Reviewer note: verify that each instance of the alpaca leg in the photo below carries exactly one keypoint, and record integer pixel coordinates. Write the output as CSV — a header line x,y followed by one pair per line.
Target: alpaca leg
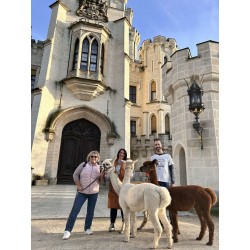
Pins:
x,y
174,217
171,221
153,215
126,213
203,224
133,224
122,228
145,220
167,226
210,224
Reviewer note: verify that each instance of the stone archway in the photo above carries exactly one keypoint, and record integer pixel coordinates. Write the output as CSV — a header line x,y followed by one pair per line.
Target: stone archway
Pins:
x,y
180,165
58,123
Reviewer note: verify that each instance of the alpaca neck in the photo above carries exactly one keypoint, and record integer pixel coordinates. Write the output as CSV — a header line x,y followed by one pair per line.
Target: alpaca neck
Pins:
x,y
116,183
153,177
127,176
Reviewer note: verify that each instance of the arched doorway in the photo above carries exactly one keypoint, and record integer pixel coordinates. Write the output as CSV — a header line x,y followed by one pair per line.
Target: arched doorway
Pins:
x,y
79,137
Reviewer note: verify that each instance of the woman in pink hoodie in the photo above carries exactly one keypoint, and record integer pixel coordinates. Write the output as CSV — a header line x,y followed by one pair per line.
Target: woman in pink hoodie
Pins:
x,y
86,177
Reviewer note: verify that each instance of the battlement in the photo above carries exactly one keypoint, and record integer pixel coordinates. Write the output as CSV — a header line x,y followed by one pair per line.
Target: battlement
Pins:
x,y
159,40
38,45
207,48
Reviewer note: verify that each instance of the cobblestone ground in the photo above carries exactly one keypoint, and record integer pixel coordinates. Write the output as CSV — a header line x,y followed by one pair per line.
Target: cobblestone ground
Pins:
x,y
47,234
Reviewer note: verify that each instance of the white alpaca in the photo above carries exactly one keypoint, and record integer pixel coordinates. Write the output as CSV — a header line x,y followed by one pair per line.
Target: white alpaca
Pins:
x,y
145,196
109,169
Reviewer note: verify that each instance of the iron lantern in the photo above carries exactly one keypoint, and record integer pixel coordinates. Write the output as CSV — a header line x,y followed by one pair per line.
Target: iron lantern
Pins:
x,y
196,106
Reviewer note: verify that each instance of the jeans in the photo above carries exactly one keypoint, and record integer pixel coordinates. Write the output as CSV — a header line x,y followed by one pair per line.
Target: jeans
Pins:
x,y
163,184
78,203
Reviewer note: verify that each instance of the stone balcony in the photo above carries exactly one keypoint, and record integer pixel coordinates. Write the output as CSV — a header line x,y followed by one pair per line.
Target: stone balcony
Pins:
x,y
85,85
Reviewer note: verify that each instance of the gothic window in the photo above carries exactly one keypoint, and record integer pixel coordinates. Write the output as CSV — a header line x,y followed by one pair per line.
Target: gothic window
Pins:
x,y
132,128
85,54
93,56
102,59
167,125
153,124
153,91
132,94
75,59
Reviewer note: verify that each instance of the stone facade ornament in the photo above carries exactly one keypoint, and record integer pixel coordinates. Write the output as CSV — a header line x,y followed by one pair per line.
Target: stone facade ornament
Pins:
x,y
93,9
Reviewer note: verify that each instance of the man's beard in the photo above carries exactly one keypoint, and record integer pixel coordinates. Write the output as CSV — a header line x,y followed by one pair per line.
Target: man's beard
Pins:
x,y
158,149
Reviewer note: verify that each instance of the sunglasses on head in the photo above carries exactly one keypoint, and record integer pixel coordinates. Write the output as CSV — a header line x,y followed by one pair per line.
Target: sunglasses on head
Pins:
x,y
93,156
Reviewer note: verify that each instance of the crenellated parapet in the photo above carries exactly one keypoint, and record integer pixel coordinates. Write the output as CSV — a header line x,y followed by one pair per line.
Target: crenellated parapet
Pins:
x,y
183,67
37,49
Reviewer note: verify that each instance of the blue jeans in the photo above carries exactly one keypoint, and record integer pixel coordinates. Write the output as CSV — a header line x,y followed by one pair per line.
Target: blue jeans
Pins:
x,y
78,203
163,184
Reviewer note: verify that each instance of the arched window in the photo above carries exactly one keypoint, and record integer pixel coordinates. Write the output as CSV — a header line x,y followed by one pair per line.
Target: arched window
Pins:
x,y
153,124
102,60
153,91
167,125
85,54
75,58
93,56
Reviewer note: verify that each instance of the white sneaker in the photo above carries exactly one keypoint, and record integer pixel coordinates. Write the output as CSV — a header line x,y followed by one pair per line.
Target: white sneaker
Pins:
x,y
66,235
88,232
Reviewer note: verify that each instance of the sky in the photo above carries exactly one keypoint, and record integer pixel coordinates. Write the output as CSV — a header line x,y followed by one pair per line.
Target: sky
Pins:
x,y
189,22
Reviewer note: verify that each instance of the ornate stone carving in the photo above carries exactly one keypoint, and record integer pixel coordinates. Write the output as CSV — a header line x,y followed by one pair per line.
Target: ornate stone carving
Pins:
x,y
93,9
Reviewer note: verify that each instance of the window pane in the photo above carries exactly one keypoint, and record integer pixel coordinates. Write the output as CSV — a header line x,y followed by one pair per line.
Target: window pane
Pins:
x,y
84,65
33,79
84,57
92,67
94,48
153,124
153,95
85,45
133,128
93,58
132,94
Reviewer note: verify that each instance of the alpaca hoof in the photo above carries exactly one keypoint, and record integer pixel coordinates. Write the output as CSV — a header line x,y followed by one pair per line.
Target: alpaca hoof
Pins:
x,y
175,240
209,244
179,232
139,228
121,232
198,238
126,239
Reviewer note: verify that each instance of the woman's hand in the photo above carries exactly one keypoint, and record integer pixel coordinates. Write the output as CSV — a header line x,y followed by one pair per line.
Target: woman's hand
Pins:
x,y
79,188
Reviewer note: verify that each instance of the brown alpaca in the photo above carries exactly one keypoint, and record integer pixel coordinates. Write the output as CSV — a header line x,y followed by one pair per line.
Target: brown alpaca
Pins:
x,y
184,198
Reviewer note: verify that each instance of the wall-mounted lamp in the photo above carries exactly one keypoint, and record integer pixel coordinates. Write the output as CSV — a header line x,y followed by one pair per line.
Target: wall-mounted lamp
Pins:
x,y
196,106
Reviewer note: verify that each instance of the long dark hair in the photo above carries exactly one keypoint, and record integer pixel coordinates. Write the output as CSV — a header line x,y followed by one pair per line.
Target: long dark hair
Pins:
x,y
125,154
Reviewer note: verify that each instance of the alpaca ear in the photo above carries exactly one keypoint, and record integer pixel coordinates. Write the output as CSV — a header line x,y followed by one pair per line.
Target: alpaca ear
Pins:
x,y
135,161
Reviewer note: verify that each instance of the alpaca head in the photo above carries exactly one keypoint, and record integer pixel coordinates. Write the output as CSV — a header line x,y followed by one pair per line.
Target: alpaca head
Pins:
x,y
130,165
108,166
148,166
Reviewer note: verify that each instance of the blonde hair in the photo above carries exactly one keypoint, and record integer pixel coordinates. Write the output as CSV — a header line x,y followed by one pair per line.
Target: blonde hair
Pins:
x,y
93,153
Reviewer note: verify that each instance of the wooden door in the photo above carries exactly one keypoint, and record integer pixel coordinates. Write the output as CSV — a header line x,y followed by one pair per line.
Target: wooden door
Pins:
x,y
79,137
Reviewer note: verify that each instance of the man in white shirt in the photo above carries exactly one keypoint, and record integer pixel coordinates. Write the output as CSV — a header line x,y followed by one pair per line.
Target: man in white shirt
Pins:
x,y
165,166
